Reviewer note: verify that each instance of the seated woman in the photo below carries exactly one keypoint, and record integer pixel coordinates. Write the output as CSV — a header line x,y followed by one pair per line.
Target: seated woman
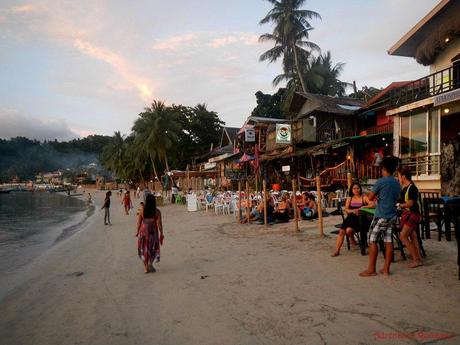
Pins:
x,y
354,202
281,213
254,213
310,210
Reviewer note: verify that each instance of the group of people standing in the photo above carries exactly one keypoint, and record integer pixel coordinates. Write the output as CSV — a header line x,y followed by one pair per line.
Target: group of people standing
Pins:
x,y
149,227
391,197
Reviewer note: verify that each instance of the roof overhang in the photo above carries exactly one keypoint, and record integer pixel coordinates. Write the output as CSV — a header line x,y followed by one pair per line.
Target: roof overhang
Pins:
x,y
408,44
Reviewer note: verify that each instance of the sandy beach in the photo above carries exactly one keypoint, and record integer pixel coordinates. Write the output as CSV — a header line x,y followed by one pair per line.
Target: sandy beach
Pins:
x,y
224,283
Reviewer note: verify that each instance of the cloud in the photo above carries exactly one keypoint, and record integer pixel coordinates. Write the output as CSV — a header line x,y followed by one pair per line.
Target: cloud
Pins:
x,y
174,42
26,8
144,86
240,37
17,124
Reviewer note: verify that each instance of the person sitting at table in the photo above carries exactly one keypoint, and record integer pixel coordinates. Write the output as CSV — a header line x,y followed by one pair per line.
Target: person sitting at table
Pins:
x,y
310,210
354,202
254,213
281,213
410,217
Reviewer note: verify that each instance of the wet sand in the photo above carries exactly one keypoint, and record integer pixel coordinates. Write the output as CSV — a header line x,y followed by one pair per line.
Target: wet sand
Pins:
x,y
224,283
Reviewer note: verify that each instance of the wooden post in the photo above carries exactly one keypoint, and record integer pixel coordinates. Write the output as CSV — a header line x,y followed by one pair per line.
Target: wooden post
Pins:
x,y
248,205
320,208
264,187
239,201
294,204
349,181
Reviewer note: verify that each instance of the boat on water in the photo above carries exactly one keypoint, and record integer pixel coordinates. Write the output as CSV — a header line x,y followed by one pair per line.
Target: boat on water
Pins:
x,y
5,191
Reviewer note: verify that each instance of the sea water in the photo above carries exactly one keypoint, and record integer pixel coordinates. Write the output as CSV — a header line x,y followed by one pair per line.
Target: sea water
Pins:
x,y
30,223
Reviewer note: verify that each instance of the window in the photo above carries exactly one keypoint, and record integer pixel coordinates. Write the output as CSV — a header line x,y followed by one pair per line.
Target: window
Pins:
x,y
418,134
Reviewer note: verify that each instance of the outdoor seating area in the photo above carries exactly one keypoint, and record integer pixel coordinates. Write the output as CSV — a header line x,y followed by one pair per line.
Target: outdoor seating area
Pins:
x,y
438,213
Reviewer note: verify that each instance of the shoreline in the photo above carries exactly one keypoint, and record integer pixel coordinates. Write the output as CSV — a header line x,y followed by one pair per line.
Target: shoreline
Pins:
x,y
59,233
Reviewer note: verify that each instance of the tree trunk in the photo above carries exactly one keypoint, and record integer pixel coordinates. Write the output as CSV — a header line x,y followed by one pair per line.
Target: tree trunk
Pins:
x,y
142,177
154,168
297,66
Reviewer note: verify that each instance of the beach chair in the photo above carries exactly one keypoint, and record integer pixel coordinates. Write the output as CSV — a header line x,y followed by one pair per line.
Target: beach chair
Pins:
x,y
209,202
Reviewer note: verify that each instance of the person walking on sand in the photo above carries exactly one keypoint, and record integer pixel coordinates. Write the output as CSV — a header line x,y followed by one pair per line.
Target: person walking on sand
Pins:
x,y
150,234
127,202
386,189
410,218
106,208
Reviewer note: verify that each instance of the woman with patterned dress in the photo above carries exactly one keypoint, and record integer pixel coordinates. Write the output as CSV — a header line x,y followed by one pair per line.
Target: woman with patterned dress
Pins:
x,y
149,234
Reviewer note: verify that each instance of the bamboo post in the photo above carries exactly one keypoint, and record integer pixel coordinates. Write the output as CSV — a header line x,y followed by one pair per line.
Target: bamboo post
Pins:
x,y
239,200
320,208
248,205
294,204
264,187
349,180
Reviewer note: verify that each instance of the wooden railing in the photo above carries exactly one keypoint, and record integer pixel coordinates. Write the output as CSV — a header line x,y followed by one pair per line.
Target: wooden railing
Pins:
x,y
366,171
434,84
328,134
380,129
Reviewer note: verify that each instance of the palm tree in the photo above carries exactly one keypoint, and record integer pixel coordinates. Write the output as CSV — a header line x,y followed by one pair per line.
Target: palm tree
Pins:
x,y
291,34
156,131
112,154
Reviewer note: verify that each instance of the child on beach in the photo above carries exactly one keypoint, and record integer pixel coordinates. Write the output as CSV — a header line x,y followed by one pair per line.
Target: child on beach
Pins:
x,y
127,202
410,218
106,208
386,190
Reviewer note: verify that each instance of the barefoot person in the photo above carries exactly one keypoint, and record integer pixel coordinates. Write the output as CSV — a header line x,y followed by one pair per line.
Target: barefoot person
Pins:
x,y
127,202
149,233
106,208
410,217
354,202
386,190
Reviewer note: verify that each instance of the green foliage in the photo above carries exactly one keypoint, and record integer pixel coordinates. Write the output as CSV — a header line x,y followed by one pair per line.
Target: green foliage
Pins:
x,y
25,158
162,137
290,35
270,105
366,93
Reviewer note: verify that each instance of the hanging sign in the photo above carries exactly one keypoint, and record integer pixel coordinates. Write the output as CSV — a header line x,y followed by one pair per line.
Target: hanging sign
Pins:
x,y
250,135
283,134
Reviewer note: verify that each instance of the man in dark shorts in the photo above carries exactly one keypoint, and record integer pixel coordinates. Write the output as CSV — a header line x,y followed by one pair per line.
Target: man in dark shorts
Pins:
x,y
386,190
410,218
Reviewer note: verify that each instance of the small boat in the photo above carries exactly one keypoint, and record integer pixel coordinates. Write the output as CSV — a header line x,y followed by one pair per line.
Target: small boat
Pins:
x,y
5,191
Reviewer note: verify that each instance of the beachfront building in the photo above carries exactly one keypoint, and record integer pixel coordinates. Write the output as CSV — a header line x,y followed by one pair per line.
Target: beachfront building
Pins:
x,y
426,112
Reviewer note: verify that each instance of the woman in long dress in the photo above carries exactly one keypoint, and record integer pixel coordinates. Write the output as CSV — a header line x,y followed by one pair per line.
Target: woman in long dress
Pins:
x,y
149,233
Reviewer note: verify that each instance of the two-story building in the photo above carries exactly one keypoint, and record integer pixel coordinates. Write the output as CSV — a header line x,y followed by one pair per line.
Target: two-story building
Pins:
x,y
426,112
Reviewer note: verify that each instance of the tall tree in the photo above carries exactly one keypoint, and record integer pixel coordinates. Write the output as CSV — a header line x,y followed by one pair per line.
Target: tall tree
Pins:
x,y
290,35
112,154
157,130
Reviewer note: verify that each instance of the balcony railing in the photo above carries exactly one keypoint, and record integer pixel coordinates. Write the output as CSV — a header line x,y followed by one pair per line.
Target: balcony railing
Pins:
x,y
380,129
423,165
434,84
328,134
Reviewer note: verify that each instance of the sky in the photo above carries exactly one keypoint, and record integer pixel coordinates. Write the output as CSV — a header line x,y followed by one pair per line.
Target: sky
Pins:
x,y
69,69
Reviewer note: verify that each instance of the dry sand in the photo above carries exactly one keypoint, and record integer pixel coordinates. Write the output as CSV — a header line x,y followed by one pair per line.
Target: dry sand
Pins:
x,y
224,283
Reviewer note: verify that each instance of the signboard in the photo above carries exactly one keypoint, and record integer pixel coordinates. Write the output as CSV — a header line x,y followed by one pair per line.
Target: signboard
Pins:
x,y
250,135
283,133
235,175
192,202
447,97
286,168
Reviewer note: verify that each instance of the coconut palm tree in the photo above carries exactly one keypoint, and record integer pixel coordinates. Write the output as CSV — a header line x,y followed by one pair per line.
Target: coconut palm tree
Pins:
x,y
290,35
112,154
156,131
